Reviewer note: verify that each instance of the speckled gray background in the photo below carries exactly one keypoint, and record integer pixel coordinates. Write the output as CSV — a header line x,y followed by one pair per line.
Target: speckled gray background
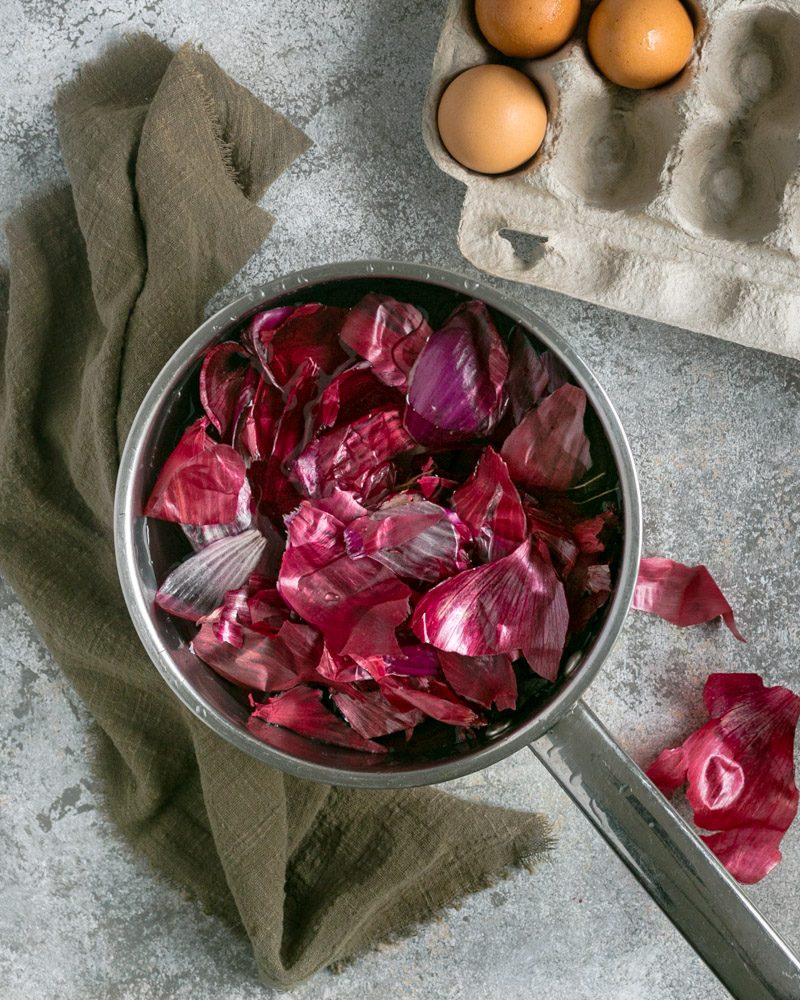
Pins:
x,y
714,429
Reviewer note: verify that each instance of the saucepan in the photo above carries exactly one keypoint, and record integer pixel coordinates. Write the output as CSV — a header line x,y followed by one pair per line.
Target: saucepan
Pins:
x,y
661,850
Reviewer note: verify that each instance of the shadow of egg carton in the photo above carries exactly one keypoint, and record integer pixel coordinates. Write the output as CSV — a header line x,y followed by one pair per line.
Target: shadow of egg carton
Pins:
x,y
680,204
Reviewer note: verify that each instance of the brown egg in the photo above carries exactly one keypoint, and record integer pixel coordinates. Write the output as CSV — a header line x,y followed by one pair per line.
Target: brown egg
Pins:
x,y
640,43
527,29
492,118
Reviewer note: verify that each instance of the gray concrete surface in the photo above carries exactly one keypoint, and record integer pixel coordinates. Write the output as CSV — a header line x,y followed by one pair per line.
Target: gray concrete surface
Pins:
x,y
714,429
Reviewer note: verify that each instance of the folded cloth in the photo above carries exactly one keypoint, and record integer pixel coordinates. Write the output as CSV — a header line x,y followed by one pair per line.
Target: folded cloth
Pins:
x,y
167,157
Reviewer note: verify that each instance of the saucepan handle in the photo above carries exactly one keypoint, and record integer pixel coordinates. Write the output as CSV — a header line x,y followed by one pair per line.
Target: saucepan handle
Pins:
x,y
680,873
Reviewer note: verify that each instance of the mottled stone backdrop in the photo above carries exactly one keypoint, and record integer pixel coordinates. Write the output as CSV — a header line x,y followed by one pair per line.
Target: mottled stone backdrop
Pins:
x,y
714,429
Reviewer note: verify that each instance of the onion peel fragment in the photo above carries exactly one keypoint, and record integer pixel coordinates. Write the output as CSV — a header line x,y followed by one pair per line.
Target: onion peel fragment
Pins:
x,y
681,595
739,767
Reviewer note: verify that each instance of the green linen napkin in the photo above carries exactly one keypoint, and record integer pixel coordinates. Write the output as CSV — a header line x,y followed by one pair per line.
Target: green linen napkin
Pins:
x,y
167,157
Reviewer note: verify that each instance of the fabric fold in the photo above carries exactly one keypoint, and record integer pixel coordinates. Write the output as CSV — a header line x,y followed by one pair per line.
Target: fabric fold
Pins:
x,y
167,158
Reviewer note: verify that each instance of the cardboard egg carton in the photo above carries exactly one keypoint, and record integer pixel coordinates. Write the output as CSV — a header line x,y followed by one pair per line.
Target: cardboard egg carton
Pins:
x,y
680,204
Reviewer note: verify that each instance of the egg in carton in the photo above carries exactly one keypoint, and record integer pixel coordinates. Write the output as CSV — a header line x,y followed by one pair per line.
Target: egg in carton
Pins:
x,y
679,204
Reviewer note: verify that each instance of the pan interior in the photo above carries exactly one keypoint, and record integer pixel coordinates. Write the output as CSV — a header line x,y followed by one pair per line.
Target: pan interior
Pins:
x,y
159,546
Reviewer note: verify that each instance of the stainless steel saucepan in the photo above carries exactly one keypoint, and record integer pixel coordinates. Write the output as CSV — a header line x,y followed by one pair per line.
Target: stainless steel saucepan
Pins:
x,y
664,854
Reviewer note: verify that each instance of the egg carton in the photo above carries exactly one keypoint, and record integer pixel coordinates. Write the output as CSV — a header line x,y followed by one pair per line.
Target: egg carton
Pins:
x,y
680,204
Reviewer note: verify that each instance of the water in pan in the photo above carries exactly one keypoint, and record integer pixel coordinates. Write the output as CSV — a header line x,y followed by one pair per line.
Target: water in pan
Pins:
x,y
681,203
